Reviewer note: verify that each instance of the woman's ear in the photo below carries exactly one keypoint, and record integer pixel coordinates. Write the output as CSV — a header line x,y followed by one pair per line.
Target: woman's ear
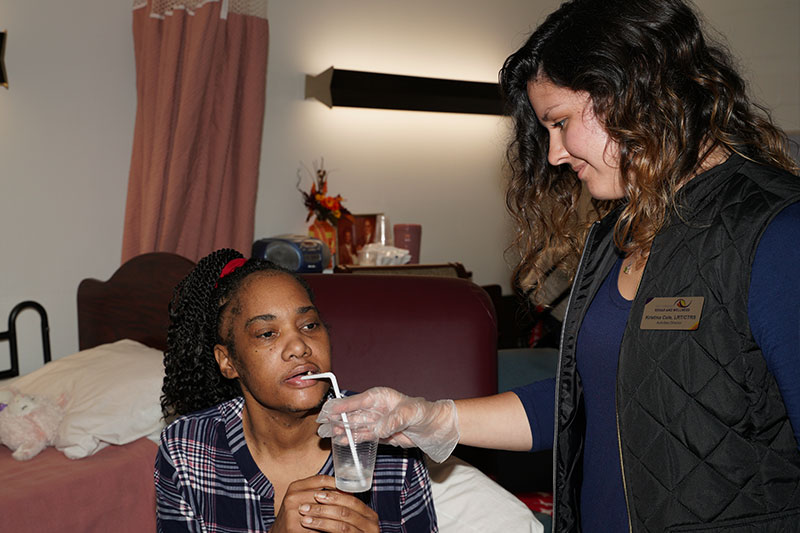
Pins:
x,y
225,362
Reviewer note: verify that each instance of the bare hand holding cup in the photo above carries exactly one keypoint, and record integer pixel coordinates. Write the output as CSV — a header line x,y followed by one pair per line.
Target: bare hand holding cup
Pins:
x,y
313,504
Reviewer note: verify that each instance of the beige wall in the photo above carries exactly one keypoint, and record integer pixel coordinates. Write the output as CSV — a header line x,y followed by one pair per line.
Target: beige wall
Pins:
x,y
765,37
66,127
441,170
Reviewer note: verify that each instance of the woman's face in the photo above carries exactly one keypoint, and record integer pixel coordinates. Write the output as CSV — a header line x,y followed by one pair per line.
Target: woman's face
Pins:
x,y
278,337
577,138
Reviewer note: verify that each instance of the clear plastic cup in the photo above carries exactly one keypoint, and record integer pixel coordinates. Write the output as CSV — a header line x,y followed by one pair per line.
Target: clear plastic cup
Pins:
x,y
383,230
354,460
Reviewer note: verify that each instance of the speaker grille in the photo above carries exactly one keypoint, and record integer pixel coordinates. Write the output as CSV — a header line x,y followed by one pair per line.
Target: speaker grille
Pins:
x,y
283,254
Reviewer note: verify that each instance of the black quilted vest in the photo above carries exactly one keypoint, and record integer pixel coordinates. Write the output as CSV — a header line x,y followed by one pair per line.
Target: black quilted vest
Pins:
x,y
706,444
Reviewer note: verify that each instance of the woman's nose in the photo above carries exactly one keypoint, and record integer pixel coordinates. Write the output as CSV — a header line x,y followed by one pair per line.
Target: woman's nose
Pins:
x,y
556,153
296,347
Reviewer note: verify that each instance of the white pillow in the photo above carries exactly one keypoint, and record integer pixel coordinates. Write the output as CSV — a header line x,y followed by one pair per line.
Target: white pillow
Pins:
x,y
114,395
467,500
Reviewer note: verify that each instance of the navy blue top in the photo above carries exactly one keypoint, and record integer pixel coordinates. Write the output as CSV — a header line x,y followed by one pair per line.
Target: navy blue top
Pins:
x,y
599,340
774,314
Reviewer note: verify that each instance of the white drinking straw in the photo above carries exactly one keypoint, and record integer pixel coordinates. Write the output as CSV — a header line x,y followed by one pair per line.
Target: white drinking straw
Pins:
x,y
338,393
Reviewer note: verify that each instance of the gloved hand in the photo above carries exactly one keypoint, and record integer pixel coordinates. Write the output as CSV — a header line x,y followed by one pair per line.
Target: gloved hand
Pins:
x,y
406,422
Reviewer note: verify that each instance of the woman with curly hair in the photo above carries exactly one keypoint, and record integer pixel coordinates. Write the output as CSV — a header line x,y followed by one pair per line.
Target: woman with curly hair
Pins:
x,y
676,405
243,454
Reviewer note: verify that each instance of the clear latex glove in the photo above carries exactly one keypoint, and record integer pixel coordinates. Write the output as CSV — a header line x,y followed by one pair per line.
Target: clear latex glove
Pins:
x,y
406,422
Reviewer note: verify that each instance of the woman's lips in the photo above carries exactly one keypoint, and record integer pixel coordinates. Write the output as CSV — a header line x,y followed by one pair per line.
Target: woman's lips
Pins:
x,y
294,376
298,383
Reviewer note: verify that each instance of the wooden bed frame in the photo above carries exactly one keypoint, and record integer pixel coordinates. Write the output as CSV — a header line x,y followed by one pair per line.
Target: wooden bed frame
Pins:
x,y
113,489
133,303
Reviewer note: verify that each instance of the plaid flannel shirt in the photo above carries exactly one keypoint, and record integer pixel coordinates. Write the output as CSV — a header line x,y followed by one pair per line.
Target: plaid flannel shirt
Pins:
x,y
207,481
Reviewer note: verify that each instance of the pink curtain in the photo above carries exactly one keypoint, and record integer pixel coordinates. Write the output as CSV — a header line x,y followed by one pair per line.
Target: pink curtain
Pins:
x,y
201,86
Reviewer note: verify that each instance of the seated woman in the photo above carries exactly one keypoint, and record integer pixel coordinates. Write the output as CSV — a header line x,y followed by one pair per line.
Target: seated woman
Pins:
x,y
244,454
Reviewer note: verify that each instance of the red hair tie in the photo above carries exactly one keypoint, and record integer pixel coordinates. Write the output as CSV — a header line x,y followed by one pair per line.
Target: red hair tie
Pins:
x,y
230,267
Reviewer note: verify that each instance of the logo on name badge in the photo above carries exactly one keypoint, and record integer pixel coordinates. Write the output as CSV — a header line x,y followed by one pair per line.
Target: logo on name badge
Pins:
x,y
676,313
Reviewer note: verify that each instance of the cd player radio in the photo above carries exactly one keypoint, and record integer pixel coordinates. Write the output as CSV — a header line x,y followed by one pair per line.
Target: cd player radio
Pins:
x,y
297,253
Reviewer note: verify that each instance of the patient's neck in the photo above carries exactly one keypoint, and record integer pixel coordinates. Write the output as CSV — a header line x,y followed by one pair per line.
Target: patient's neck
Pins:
x,y
281,435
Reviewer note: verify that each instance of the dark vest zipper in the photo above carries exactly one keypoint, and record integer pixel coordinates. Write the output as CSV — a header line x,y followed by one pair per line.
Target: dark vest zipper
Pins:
x,y
616,415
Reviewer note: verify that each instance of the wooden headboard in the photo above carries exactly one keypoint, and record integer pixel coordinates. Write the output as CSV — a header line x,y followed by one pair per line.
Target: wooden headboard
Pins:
x,y
133,303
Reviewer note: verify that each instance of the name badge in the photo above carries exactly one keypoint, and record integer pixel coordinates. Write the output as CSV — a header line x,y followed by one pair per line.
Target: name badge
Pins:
x,y
676,313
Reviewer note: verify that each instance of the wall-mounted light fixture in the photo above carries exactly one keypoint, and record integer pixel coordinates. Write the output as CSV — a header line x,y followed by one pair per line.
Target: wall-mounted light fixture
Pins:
x,y
3,76
350,88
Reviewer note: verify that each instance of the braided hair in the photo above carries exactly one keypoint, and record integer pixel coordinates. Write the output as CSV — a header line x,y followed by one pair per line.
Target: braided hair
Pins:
x,y
192,379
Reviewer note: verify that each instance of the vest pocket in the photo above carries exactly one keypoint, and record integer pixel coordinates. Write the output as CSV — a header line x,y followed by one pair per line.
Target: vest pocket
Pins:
x,y
782,522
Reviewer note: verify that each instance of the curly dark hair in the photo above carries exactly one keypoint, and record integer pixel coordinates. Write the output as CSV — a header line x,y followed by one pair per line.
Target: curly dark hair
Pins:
x,y
192,378
665,94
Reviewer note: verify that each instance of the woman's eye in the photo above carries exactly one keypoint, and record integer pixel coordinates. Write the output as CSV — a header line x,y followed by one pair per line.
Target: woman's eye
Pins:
x,y
267,334
559,124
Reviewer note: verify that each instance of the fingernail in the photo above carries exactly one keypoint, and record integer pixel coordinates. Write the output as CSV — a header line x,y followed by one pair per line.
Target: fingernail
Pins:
x,y
321,496
305,508
307,520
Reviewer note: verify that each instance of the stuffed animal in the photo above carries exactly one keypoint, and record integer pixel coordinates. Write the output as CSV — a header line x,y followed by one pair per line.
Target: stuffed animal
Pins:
x,y
28,424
